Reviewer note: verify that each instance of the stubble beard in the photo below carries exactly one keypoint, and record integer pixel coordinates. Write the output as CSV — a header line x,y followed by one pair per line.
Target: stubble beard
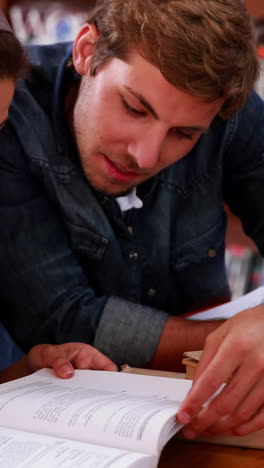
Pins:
x,y
107,188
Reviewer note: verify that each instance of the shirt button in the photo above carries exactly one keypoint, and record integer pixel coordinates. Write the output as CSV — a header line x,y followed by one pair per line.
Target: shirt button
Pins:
x,y
211,253
104,200
151,292
133,255
130,230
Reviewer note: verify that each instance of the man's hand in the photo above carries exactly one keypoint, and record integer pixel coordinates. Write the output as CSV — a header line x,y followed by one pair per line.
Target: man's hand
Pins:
x,y
62,358
233,354
67,357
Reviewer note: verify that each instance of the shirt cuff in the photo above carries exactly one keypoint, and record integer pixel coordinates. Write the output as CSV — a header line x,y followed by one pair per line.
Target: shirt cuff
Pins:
x,y
129,333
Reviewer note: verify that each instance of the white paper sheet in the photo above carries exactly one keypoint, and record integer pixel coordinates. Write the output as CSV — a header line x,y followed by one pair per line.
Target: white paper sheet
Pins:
x,y
228,310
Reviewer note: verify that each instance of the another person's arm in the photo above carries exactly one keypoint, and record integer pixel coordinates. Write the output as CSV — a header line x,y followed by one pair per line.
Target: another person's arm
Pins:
x,y
233,354
62,358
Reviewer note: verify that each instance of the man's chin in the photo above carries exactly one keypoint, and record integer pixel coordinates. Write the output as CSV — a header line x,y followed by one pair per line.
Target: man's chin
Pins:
x,y
111,191
114,193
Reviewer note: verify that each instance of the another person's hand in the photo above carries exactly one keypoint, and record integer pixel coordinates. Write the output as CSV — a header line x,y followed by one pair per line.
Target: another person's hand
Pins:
x,y
233,354
66,357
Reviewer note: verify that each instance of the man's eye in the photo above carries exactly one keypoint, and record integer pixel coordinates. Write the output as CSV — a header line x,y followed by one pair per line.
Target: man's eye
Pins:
x,y
132,110
180,133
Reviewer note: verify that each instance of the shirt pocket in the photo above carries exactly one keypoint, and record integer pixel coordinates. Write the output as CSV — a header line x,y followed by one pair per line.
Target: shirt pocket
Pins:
x,y
86,243
198,266
203,248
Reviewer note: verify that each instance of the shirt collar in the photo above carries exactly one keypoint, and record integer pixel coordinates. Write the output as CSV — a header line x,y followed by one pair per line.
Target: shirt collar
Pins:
x,y
129,201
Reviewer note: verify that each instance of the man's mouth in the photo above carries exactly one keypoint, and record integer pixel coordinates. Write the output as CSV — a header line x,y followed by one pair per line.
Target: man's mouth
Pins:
x,y
122,169
119,172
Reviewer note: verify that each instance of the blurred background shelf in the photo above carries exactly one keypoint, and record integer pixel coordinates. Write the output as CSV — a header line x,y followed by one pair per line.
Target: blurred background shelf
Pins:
x,y
255,7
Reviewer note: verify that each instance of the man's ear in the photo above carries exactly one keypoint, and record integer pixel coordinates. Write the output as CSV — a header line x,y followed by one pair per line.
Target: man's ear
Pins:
x,y
83,48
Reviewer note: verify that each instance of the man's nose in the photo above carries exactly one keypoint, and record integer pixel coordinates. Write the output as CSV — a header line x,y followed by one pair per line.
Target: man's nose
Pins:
x,y
146,149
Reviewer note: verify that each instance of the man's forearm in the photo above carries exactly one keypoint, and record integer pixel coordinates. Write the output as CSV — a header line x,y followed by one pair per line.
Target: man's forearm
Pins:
x,y
17,370
180,335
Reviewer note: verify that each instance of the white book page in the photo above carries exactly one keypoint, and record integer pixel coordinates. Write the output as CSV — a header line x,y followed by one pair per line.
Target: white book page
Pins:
x,y
228,310
127,411
26,450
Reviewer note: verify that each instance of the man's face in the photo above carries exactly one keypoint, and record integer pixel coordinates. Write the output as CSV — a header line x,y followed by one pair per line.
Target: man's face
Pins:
x,y
130,123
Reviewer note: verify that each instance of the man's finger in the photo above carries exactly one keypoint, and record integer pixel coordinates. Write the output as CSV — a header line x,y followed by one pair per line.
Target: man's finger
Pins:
x,y
56,357
255,424
62,367
64,358
238,401
91,358
208,383
210,350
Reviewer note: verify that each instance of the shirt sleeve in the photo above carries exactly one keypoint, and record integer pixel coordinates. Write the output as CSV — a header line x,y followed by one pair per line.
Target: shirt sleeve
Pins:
x,y
129,333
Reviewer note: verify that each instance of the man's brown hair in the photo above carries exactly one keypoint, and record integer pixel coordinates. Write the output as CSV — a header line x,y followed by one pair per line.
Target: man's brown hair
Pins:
x,y
13,60
203,47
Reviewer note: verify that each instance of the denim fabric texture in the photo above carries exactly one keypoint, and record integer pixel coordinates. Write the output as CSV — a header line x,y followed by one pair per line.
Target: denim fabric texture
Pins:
x,y
9,350
75,268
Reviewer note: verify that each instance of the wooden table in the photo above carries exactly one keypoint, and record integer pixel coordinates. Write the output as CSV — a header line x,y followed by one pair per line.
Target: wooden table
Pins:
x,y
181,454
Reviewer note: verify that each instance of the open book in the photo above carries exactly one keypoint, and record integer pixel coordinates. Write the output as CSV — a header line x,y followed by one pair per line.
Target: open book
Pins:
x,y
94,420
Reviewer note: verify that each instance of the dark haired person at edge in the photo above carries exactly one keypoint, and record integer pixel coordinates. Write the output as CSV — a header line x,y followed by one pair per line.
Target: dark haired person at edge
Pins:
x,y
63,358
118,155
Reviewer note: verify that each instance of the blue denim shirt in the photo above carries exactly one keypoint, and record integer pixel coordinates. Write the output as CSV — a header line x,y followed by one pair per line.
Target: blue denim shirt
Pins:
x,y
9,351
74,268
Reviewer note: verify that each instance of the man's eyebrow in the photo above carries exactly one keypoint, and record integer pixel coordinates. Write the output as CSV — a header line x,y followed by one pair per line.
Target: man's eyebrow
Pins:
x,y
147,105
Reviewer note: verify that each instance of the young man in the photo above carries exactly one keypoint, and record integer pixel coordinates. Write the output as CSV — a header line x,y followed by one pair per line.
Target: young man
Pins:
x,y
115,163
